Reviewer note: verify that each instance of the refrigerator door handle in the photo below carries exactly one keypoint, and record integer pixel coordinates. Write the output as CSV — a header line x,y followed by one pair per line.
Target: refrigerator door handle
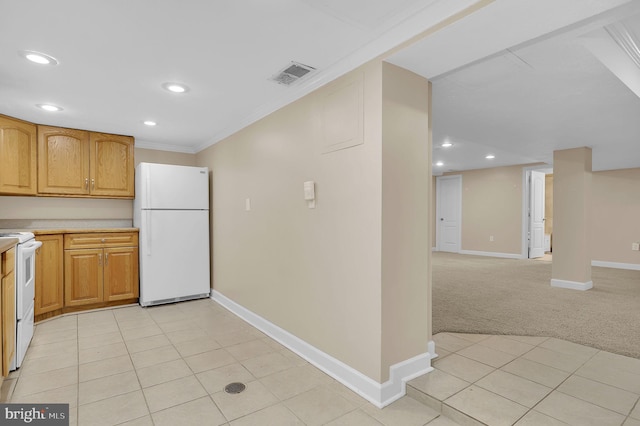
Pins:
x,y
148,229
147,187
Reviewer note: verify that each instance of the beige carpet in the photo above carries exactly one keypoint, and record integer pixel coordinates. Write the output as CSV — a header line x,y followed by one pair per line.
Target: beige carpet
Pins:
x,y
476,294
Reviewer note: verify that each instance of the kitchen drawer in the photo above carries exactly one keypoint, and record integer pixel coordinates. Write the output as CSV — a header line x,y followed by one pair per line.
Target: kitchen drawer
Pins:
x,y
8,262
98,240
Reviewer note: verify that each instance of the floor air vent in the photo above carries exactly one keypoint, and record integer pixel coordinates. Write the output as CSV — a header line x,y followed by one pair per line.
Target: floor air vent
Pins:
x,y
292,73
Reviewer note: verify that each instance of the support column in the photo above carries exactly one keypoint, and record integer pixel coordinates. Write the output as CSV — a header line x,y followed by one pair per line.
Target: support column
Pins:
x,y
572,175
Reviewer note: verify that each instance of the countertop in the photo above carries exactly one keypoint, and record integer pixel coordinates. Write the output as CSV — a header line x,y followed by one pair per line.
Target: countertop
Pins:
x,y
79,230
7,243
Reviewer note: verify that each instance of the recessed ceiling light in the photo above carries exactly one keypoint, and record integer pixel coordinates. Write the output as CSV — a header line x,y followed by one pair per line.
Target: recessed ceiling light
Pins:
x,y
49,107
149,123
439,164
175,87
446,144
490,157
39,58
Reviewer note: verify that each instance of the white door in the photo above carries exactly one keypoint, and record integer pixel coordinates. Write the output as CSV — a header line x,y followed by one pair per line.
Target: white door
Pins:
x,y
448,215
536,214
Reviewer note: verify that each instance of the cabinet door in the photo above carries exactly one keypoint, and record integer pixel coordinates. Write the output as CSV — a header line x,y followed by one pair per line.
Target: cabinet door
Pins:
x,y
63,161
83,280
120,273
8,321
49,274
17,157
112,165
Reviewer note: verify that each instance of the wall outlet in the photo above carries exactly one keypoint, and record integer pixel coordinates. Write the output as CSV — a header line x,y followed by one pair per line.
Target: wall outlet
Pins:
x,y
490,237
247,204
635,246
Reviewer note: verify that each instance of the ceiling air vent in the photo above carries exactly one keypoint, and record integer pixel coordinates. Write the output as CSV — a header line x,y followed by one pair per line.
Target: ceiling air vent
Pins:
x,y
292,73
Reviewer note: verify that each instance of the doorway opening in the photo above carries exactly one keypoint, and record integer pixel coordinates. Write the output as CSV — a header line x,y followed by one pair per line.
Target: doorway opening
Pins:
x,y
537,223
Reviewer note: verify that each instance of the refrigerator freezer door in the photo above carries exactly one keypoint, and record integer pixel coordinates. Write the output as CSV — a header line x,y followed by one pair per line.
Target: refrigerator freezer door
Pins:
x,y
174,255
163,186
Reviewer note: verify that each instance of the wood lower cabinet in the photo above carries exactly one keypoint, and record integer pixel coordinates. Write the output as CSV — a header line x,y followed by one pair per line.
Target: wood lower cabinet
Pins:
x,y
83,277
100,268
17,157
121,273
49,275
8,304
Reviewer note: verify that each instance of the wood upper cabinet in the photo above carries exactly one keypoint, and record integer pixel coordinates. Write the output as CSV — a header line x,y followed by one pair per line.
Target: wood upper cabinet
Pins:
x,y
8,304
80,163
63,161
17,157
49,274
100,267
112,165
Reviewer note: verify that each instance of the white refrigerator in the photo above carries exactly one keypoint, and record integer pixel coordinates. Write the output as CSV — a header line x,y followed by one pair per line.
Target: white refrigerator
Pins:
x,y
171,210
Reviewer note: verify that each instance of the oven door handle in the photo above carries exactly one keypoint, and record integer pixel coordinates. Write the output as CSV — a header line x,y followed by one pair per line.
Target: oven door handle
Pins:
x,y
30,247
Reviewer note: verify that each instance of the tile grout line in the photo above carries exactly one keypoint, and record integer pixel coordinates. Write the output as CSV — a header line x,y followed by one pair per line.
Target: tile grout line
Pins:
x,y
195,375
563,381
636,405
552,389
136,373
496,369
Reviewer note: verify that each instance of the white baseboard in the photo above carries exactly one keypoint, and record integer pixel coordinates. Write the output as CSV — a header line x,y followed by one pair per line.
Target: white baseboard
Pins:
x,y
573,285
431,348
616,265
492,254
379,394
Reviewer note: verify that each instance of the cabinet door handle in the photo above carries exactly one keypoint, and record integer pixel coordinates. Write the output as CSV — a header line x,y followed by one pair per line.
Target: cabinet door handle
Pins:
x,y
99,260
106,259
93,183
86,183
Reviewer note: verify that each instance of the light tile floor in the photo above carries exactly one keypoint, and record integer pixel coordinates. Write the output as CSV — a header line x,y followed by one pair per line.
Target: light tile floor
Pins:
x,y
168,365
529,381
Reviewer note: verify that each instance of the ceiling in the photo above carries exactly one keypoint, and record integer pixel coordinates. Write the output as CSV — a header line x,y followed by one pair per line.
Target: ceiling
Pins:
x,y
548,86
512,79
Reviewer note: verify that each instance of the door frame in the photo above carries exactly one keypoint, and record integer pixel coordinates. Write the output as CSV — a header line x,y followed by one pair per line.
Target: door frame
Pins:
x,y
439,204
526,196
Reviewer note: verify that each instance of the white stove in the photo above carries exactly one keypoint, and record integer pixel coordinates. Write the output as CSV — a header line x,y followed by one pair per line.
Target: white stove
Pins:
x,y
25,290
21,236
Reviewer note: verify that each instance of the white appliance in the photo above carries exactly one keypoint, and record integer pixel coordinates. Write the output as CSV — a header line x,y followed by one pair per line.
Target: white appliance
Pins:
x,y
171,210
25,291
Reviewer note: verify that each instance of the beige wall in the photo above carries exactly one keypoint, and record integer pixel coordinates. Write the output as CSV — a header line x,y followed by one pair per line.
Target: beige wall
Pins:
x,y
615,200
616,215
308,271
164,157
492,206
84,208
406,195
317,273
